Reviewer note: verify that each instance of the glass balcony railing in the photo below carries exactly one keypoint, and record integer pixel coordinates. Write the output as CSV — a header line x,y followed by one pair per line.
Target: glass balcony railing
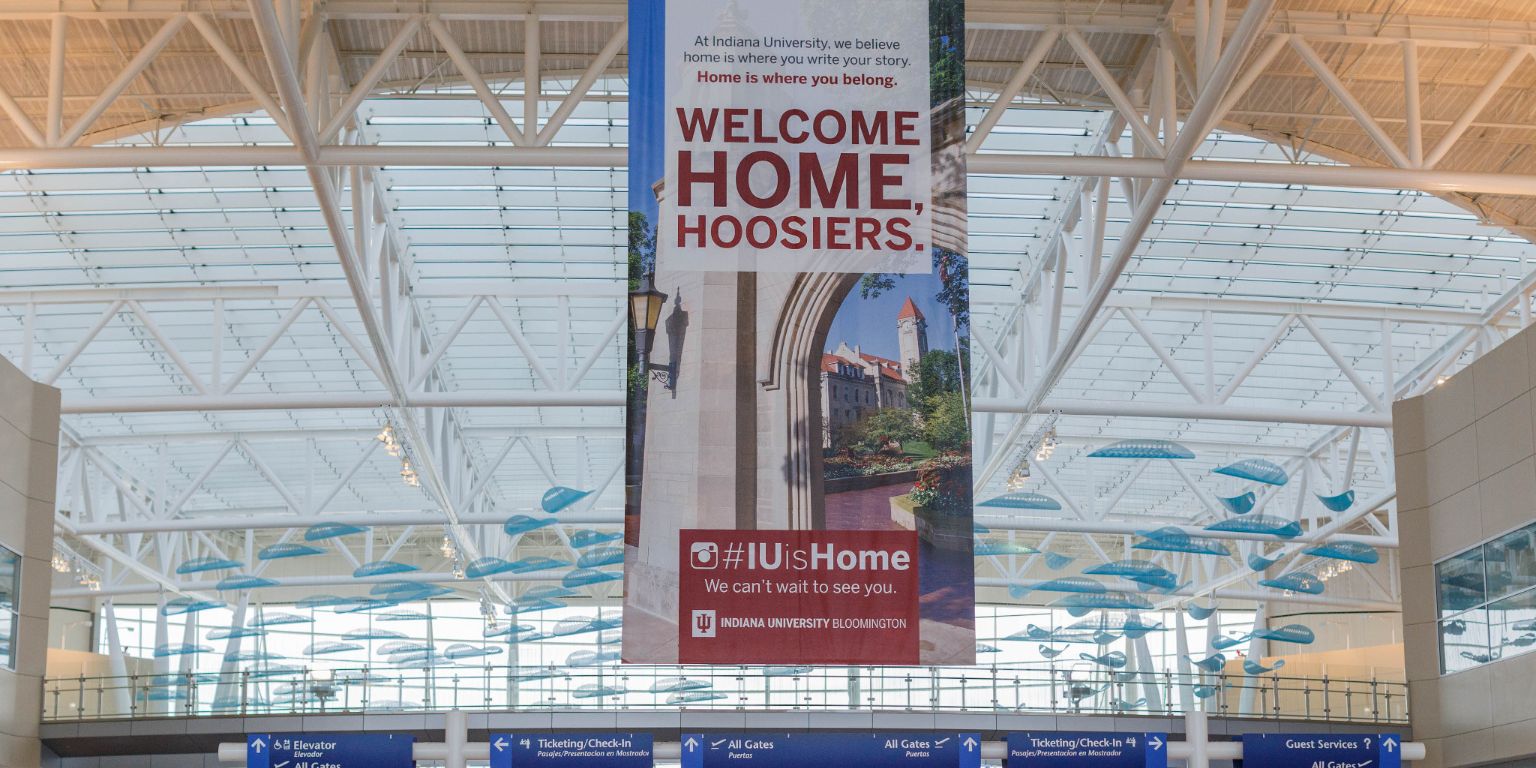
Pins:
x,y
1004,688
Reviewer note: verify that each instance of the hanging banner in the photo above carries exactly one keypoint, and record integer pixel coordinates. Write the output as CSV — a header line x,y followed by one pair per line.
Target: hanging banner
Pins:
x,y
798,477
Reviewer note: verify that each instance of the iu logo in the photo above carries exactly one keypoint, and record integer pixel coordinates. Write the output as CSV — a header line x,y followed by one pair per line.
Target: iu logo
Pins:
x,y
703,624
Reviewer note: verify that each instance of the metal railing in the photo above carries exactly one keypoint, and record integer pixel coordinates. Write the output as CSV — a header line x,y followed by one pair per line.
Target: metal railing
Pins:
x,y
1003,688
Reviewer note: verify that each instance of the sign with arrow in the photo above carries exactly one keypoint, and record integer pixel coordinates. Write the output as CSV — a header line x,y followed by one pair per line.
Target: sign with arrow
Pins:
x,y
571,750
1082,749
866,750
329,750
1335,750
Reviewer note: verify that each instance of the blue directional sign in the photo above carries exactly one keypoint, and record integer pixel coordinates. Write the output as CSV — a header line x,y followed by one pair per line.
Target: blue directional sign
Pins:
x,y
1080,749
866,750
1335,750
571,750
328,750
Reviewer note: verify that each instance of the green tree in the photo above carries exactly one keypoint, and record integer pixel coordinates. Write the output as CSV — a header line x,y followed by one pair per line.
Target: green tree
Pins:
x,y
947,427
938,373
642,259
946,54
642,247
886,425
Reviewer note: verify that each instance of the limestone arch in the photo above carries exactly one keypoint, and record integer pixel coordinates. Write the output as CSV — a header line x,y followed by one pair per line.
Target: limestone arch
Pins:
x,y
791,376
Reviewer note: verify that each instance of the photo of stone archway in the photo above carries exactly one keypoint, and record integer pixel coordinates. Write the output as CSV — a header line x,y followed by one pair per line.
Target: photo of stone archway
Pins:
x,y
894,425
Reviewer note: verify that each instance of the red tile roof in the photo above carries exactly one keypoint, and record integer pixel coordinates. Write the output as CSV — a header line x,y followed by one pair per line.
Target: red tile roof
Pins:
x,y
909,310
890,369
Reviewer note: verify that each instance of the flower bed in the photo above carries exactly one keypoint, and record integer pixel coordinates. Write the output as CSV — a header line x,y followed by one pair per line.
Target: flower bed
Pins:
x,y
838,467
944,484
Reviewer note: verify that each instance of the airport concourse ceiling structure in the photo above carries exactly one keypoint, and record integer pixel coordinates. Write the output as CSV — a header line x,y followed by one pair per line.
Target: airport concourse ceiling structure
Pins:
x,y
247,239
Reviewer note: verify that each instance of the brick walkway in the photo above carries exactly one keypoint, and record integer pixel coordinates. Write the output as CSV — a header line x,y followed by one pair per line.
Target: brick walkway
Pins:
x,y
866,510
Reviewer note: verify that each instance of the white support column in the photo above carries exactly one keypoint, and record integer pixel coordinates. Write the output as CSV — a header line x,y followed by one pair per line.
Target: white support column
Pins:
x,y
1212,631
1412,107
532,79
1185,680
1203,51
456,736
184,682
229,670
1258,647
162,664
1197,736
1151,687
117,661
54,127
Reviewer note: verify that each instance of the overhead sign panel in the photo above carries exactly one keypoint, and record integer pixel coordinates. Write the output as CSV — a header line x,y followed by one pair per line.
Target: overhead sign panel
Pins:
x,y
571,750
866,750
1322,750
329,750
1078,749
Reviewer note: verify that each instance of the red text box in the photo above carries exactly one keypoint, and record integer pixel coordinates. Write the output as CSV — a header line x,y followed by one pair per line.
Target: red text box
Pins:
x,y
798,597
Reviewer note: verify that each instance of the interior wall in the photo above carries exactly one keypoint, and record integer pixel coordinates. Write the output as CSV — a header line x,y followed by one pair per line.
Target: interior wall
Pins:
x,y
29,456
1466,472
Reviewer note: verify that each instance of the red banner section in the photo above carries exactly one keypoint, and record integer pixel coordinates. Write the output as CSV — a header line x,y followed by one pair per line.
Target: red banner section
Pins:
x,y
798,597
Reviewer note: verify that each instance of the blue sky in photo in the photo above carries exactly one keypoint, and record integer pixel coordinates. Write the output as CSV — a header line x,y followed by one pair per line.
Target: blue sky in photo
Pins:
x,y
647,84
871,323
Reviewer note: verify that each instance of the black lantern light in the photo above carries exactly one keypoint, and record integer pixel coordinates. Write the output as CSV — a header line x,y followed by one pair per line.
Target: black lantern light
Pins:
x,y
645,303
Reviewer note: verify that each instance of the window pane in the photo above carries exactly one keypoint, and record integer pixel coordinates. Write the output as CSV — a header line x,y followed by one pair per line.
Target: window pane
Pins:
x,y
1459,582
7,648
1511,563
1464,641
10,591
10,572
1512,624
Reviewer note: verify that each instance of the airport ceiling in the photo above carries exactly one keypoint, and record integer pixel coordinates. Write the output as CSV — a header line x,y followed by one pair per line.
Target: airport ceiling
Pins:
x,y
204,314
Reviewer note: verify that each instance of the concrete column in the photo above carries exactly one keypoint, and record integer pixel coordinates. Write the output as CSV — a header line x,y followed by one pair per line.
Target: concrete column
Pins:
x,y
162,664
1257,648
117,663
1186,670
1150,685
1197,734
456,736
228,688
29,458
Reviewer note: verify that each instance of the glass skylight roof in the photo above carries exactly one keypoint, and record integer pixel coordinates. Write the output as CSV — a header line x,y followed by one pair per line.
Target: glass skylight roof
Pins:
x,y
244,245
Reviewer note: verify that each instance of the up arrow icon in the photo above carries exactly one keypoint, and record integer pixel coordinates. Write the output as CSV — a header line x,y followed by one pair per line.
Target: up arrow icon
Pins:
x,y
1155,743
692,743
970,744
1389,743
258,745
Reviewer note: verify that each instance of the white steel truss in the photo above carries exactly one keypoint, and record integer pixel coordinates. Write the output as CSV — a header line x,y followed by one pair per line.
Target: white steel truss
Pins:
x,y
1076,307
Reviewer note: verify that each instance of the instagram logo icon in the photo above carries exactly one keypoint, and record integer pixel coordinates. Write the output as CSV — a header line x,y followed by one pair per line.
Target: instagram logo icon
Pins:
x,y
704,556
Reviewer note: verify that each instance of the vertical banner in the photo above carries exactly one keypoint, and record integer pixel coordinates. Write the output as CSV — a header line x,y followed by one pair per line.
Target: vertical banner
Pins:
x,y
798,477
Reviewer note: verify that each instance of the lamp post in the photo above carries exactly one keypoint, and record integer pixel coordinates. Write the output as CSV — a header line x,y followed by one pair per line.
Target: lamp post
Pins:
x,y
645,303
